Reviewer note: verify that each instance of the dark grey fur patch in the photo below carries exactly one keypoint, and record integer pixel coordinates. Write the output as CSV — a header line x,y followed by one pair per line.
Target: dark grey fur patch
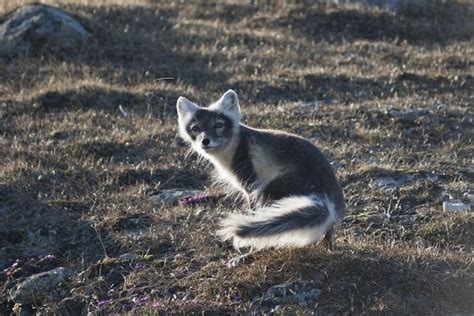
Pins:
x,y
306,217
242,165
306,170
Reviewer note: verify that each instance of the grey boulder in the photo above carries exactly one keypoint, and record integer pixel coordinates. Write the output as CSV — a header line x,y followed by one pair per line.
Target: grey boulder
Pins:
x,y
38,27
39,286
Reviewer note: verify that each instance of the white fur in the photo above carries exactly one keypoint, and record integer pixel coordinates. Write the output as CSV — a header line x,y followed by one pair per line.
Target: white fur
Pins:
x,y
186,110
297,238
226,176
264,166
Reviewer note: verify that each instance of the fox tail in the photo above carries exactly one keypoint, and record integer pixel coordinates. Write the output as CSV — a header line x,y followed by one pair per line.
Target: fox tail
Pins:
x,y
293,221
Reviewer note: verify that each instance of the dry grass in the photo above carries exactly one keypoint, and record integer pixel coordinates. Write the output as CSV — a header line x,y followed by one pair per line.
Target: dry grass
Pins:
x,y
75,169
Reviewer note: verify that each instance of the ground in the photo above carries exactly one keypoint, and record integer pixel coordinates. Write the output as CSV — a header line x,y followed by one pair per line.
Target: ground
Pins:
x,y
385,95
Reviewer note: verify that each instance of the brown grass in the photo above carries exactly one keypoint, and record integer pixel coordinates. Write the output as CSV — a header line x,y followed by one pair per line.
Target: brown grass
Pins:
x,y
75,169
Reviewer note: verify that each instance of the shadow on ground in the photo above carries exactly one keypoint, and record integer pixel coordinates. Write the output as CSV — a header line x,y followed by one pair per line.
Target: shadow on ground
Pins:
x,y
361,278
437,23
148,45
30,226
328,88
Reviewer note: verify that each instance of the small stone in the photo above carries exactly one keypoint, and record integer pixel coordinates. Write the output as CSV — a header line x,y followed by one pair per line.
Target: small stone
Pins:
x,y
307,105
171,196
114,277
411,117
129,256
390,184
74,305
469,196
403,5
134,221
298,292
39,286
456,206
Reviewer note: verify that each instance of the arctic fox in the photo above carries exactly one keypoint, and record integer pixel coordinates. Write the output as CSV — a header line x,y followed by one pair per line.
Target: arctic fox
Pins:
x,y
288,182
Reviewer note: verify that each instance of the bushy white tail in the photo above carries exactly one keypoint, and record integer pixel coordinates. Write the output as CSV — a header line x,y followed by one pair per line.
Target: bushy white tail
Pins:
x,y
294,221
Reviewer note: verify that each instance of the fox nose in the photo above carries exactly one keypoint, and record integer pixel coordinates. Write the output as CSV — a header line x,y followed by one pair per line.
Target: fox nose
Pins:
x,y
206,141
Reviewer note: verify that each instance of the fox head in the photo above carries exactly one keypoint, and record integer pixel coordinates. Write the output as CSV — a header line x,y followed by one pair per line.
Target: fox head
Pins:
x,y
209,130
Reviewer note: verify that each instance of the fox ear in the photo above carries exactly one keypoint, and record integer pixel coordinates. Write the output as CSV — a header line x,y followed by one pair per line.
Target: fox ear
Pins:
x,y
185,107
229,102
229,105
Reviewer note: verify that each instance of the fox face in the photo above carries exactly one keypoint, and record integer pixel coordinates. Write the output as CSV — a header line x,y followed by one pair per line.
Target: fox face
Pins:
x,y
209,130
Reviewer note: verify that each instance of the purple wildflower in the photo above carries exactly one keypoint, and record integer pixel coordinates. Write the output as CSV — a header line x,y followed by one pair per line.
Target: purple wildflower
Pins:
x,y
49,257
103,303
138,266
9,270
193,200
32,257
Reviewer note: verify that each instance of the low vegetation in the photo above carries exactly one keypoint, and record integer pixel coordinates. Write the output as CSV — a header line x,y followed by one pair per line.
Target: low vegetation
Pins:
x,y
385,95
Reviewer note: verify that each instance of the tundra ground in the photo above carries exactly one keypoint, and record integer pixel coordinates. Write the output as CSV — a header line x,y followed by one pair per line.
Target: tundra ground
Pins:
x,y
386,96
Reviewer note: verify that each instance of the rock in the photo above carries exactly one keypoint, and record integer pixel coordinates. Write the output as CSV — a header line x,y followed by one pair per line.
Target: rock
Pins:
x,y
394,183
309,106
298,292
390,184
129,256
401,6
39,286
412,117
404,5
162,247
469,196
171,196
396,6
75,305
405,219
114,277
133,222
37,27
456,206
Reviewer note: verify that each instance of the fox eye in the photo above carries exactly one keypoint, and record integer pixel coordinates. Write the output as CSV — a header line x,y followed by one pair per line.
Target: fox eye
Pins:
x,y
218,125
195,129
